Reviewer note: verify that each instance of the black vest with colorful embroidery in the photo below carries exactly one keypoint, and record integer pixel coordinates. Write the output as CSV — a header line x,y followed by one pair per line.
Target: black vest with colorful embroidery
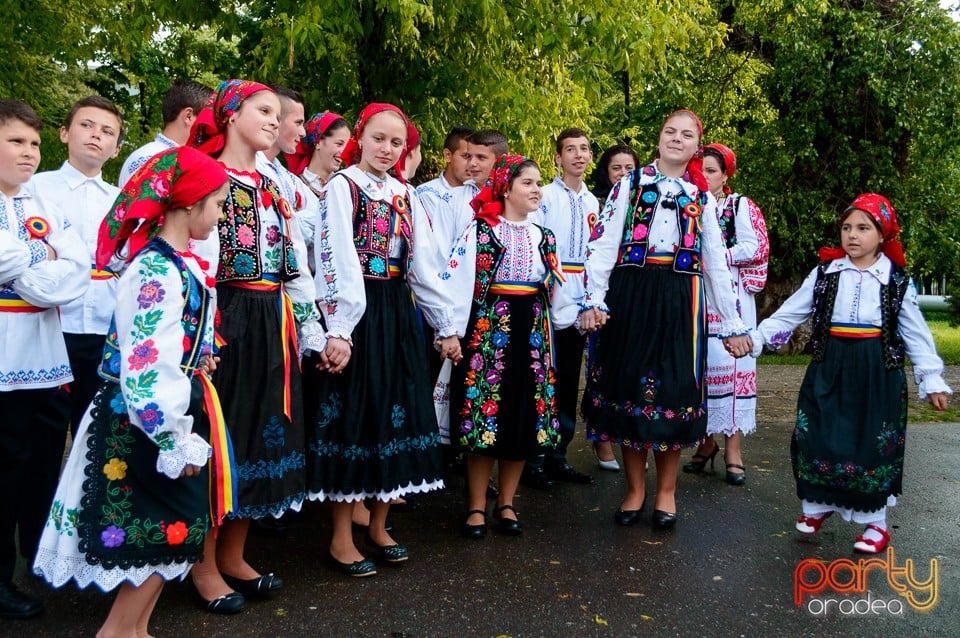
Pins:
x,y
490,253
643,204
727,219
239,230
891,299
374,222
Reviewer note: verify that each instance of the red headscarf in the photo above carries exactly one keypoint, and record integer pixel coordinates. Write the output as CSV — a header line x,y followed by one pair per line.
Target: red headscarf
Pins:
x,y
488,204
695,165
175,178
881,211
207,134
351,152
316,127
729,161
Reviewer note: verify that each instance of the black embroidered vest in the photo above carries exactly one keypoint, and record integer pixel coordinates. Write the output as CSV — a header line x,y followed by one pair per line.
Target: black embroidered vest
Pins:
x,y
643,204
490,253
373,224
891,298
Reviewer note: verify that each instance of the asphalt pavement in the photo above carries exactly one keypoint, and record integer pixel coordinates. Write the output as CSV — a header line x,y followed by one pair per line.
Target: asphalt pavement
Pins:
x,y
727,569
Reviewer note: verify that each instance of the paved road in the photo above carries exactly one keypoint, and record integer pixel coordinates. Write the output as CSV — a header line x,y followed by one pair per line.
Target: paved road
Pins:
x,y
726,570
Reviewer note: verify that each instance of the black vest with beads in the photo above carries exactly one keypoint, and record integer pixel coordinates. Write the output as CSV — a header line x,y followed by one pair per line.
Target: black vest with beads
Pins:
x,y
891,298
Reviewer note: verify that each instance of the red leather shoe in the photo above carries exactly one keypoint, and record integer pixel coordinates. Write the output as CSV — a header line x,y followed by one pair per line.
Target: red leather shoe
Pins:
x,y
811,525
870,546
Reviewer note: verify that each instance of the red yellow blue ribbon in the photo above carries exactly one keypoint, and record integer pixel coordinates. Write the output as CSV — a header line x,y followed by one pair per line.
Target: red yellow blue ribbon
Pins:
x,y
854,331
223,482
11,302
697,309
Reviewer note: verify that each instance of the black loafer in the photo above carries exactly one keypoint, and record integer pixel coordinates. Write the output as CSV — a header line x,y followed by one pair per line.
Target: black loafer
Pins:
x,y
664,520
16,605
357,569
395,553
232,603
536,478
255,587
507,526
474,531
567,473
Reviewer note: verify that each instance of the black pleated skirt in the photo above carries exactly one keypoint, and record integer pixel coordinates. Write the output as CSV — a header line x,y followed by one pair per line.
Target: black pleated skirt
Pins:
x,y
848,443
268,447
646,383
375,434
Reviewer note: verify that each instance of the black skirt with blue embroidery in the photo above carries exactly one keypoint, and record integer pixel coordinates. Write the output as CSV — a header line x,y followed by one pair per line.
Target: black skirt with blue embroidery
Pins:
x,y
375,432
645,387
848,443
268,447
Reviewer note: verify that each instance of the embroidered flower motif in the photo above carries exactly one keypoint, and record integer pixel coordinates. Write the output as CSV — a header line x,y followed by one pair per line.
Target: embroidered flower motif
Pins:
x,y
398,416
639,233
115,469
150,417
160,185
243,265
176,533
143,354
488,438
117,404
490,407
245,235
112,536
499,339
273,433
273,235
150,293
378,266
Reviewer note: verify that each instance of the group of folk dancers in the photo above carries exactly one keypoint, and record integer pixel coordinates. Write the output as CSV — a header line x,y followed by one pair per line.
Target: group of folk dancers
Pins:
x,y
268,312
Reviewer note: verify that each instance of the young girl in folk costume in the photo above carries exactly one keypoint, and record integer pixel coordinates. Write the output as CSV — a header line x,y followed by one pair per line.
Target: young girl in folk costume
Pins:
x,y
731,382
375,435
268,318
653,254
503,272
132,508
848,442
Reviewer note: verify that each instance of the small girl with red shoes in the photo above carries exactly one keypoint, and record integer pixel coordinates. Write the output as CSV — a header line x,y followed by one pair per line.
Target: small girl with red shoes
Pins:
x,y
848,443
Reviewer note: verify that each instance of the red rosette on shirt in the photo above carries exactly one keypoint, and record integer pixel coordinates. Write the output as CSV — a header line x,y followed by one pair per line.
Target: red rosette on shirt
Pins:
x,y
285,209
400,204
38,227
692,210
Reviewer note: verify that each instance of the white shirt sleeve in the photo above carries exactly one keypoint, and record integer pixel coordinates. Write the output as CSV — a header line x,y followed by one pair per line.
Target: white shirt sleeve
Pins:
x,y
604,244
51,283
459,276
746,252
432,297
718,282
920,347
775,330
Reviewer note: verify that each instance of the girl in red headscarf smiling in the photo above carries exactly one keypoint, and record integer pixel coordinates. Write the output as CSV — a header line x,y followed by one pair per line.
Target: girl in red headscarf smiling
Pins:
x,y
375,435
848,443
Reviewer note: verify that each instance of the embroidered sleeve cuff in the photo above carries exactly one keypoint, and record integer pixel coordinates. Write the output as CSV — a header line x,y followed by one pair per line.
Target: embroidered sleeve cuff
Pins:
x,y
38,251
732,329
312,337
585,305
757,340
930,383
340,329
189,450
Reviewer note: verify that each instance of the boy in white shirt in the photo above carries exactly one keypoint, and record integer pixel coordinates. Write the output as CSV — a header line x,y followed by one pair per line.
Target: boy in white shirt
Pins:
x,y
43,264
438,195
181,104
93,132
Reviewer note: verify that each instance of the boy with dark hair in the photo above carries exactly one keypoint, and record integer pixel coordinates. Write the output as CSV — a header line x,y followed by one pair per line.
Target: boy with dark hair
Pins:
x,y
438,195
92,132
181,104
484,147
566,206
43,264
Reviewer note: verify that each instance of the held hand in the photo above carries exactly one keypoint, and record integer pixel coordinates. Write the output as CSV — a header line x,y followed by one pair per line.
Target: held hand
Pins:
x,y
208,364
190,470
338,353
450,348
739,346
601,318
938,400
592,319
323,362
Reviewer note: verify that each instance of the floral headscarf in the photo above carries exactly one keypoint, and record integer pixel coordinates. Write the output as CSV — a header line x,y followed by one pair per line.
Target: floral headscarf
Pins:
x,y
207,134
488,204
316,127
729,161
175,178
351,152
881,211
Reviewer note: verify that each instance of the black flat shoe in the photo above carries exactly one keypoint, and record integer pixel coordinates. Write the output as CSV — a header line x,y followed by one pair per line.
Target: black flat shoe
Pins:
x,y
474,531
536,478
736,478
664,520
394,554
506,526
627,518
567,473
698,462
258,587
357,569
16,605
228,604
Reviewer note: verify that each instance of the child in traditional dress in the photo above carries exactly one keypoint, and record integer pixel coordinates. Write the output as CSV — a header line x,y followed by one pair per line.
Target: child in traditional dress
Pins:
x,y
848,443
133,504
503,272
268,319
43,265
375,435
